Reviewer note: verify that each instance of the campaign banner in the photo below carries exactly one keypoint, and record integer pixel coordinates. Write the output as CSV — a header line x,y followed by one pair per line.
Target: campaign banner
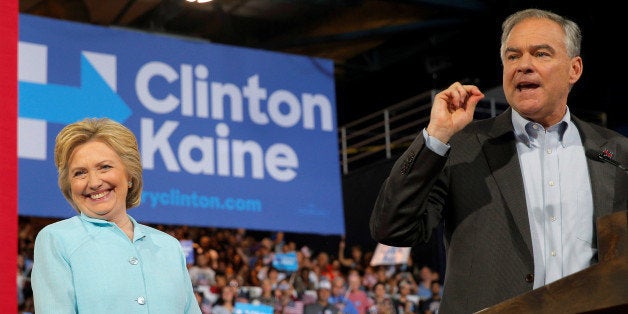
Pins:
x,y
229,136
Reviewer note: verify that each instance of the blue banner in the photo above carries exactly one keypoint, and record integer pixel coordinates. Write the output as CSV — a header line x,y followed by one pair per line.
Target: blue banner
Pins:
x,y
248,308
230,137
286,261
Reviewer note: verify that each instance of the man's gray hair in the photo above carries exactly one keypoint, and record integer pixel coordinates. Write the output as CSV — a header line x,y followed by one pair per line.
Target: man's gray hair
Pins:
x,y
573,36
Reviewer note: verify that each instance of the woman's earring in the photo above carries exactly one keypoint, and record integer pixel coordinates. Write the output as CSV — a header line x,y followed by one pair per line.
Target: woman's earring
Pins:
x,y
130,184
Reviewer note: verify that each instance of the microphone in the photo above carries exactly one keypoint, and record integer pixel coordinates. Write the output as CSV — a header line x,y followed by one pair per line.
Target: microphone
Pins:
x,y
601,157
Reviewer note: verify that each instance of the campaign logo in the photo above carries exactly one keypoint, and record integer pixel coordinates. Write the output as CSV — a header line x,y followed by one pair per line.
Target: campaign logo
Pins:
x,y
42,102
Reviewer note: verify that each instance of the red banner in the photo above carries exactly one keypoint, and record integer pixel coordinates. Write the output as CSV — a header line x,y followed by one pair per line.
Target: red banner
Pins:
x,y
8,155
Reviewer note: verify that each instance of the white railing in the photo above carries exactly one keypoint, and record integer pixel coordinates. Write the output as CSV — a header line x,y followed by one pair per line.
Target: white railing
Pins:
x,y
376,136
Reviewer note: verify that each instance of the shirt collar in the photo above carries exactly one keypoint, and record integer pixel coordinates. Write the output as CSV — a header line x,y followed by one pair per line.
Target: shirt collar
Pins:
x,y
526,131
95,221
137,230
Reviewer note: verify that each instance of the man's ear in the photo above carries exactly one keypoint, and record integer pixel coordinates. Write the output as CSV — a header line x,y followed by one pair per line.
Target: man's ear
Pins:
x,y
576,70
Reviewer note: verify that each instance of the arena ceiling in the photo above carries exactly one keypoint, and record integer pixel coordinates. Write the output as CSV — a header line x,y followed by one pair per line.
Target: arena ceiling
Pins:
x,y
383,51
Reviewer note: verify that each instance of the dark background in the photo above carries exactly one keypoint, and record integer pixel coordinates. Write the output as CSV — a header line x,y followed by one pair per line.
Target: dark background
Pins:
x,y
384,51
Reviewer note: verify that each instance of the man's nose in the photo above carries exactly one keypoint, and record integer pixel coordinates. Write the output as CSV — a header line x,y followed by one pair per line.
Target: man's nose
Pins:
x,y
525,63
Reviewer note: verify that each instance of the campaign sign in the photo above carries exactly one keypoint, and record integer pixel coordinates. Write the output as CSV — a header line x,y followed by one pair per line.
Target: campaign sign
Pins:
x,y
286,261
230,137
188,249
390,255
248,308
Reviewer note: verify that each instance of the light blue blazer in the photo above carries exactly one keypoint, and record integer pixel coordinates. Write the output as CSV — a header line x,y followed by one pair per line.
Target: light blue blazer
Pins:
x,y
86,265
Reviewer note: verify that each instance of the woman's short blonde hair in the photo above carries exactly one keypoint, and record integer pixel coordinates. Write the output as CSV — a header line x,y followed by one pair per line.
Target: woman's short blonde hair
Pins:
x,y
110,132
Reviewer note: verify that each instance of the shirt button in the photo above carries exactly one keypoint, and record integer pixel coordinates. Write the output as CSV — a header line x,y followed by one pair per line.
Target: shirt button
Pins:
x,y
133,261
551,183
553,253
549,150
141,300
535,126
553,218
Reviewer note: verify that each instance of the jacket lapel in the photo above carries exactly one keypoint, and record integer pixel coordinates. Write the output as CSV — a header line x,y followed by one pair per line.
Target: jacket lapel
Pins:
x,y
498,145
602,175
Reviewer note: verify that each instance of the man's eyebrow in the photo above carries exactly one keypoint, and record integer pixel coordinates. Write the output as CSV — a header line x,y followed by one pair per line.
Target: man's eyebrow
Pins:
x,y
534,47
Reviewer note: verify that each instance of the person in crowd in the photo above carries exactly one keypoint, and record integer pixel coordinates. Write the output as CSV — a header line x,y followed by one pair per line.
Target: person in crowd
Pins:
x,y
403,301
409,278
356,293
425,283
21,280
102,260
324,265
432,305
204,303
339,296
267,297
275,276
355,261
304,257
26,241
303,282
225,304
278,242
322,305
260,259
385,276
382,302
237,264
239,290
369,278
520,192
201,274
220,281
287,301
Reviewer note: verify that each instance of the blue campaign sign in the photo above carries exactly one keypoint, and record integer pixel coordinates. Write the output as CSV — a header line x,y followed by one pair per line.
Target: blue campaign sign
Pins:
x,y
230,137
286,261
248,308
188,250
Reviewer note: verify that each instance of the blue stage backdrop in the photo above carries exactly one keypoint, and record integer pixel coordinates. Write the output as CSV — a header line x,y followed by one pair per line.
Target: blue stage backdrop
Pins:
x,y
230,137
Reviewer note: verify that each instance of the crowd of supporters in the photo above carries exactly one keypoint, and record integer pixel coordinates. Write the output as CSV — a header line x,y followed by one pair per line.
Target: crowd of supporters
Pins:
x,y
229,266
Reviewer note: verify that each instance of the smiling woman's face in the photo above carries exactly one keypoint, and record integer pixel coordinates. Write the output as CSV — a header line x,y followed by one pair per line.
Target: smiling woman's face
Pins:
x,y
99,181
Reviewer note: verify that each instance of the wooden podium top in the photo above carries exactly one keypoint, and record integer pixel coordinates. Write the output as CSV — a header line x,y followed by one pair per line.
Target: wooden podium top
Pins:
x,y
601,288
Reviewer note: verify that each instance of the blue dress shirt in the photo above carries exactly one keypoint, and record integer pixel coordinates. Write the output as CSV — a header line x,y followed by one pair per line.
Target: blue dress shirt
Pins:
x,y
558,197
87,265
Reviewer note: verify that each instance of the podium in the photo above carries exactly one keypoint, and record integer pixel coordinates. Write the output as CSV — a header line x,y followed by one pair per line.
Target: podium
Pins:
x,y
601,288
